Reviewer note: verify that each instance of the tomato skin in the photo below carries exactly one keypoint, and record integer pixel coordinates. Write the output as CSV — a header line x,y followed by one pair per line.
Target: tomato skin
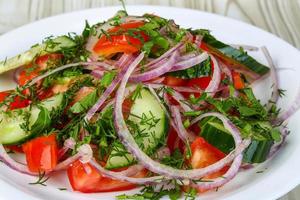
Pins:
x,y
201,82
41,153
19,103
122,43
203,155
238,82
85,178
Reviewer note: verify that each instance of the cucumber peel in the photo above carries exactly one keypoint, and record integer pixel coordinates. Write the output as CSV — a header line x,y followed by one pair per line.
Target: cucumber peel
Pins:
x,y
235,57
39,118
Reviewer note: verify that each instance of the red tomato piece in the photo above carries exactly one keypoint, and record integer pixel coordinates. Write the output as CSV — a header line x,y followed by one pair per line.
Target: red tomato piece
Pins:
x,y
122,43
19,102
201,82
41,153
85,178
203,155
238,82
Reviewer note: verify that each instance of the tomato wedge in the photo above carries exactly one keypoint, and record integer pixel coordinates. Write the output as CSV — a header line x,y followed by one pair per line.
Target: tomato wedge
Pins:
x,y
121,43
203,155
85,178
41,153
31,71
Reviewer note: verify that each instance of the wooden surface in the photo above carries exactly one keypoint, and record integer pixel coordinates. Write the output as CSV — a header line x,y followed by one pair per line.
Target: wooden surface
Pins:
x,y
281,17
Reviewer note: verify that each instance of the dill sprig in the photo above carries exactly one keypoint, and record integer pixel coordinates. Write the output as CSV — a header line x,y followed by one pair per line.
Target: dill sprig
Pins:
x,y
42,179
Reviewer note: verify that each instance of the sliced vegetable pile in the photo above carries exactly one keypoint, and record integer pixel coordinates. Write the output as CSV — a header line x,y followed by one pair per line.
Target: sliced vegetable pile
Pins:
x,y
139,101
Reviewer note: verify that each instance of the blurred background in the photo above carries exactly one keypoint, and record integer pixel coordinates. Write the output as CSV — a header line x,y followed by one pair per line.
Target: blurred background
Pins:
x,y
280,17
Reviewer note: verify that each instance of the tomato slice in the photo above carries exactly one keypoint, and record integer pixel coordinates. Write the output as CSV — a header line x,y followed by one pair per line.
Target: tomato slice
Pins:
x,y
203,155
85,178
121,43
41,153
238,82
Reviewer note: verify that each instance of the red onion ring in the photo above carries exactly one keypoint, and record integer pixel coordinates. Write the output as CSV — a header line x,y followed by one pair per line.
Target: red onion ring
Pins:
x,y
124,60
165,55
16,74
112,87
68,144
11,163
130,144
84,154
188,56
198,40
229,175
179,98
48,73
154,73
121,177
185,64
275,148
290,111
216,78
97,73
183,134
275,93
226,71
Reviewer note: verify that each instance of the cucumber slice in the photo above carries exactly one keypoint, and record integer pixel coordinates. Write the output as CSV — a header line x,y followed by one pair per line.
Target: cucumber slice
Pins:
x,y
153,122
236,57
27,57
11,123
215,134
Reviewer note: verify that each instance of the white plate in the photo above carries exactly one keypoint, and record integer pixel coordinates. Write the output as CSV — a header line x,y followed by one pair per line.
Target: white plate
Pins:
x,y
280,174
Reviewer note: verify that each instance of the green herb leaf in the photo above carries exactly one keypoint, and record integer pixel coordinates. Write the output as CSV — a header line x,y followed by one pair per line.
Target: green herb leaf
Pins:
x,y
43,121
85,103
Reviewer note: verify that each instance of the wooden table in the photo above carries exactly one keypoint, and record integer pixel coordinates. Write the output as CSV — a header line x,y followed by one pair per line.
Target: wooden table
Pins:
x,y
281,17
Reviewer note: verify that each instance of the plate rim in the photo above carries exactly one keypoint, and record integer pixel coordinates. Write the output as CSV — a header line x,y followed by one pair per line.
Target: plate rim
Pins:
x,y
34,23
